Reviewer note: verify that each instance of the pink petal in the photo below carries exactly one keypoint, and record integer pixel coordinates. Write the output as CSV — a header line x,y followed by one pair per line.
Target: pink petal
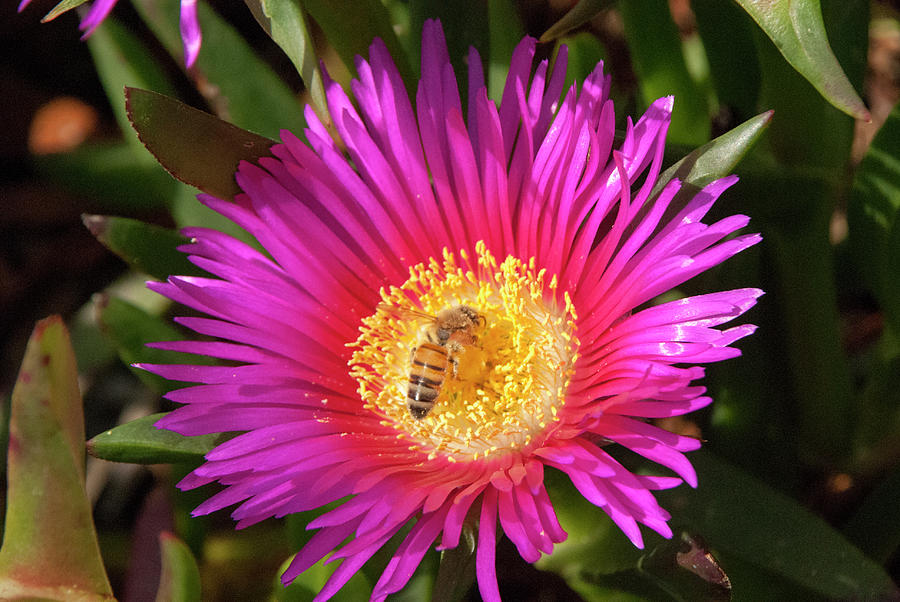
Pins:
x,y
485,567
190,31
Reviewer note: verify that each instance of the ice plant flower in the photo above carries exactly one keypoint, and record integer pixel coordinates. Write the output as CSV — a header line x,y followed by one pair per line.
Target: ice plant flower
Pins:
x,y
190,26
531,216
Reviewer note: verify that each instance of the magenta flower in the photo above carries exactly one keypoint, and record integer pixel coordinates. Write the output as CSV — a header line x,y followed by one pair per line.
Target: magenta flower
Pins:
x,y
190,26
527,215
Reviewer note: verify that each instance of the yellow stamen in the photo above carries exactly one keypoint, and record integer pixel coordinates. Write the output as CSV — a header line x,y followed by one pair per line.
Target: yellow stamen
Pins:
x,y
511,379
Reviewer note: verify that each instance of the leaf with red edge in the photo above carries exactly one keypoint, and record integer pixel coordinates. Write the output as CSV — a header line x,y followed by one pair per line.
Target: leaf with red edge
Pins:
x,y
180,577
195,147
798,31
50,548
62,7
718,157
578,15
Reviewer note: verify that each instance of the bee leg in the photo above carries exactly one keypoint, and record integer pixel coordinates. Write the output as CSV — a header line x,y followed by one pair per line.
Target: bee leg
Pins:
x,y
454,365
453,348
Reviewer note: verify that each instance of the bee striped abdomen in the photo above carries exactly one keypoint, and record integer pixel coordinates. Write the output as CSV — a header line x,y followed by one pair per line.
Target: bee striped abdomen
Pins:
x,y
426,376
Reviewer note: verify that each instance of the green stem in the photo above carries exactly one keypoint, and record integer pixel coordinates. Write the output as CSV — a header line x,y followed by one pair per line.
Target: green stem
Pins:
x,y
796,236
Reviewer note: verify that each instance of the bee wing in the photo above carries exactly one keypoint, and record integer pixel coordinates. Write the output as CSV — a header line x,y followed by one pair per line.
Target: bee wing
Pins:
x,y
405,312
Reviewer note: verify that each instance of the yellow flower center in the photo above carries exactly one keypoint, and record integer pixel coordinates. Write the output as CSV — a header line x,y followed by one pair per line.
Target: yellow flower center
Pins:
x,y
485,384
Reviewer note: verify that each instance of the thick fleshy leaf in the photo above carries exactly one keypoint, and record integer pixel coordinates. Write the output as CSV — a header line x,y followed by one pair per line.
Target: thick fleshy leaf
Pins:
x,y
238,85
875,526
740,515
504,31
456,572
103,172
717,158
656,51
798,31
848,25
682,568
727,34
130,328
147,248
194,531
878,406
140,442
195,147
755,583
585,51
421,586
49,547
180,577
351,25
793,209
808,131
62,7
871,210
286,25
187,211
891,276
579,14
594,546
599,562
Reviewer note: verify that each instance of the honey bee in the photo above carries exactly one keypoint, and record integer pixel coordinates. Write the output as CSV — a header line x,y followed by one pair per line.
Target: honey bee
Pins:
x,y
441,339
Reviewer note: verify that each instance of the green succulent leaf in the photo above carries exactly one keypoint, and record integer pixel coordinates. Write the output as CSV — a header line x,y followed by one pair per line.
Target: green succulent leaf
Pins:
x,y
129,328
659,61
875,526
744,517
890,277
351,25
679,569
111,177
50,549
594,546
197,148
140,442
62,7
727,34
456,571
585,51
717,158
793,208
577,16
798,31
187,211
877,433
179,580
872,212
147,248
505,32
747,526
286,25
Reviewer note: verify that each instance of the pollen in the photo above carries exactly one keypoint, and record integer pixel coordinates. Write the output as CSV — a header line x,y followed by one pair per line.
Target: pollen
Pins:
x,y
496,385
